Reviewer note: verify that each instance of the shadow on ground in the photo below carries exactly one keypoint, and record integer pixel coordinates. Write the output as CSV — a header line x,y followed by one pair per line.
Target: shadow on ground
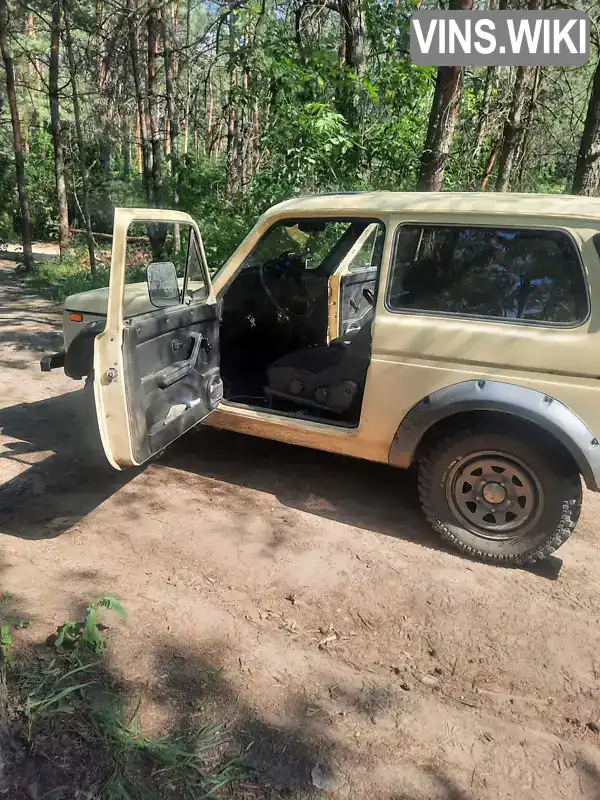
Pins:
x,y
190,689
50,434
188,686
55,487
54,493
13,608
371,496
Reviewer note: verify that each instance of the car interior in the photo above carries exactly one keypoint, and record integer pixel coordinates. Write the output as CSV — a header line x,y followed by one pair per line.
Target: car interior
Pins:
x,y
285,344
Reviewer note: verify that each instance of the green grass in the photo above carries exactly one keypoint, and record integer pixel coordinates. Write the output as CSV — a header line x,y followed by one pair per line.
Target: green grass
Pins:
x,y
59,280
72,712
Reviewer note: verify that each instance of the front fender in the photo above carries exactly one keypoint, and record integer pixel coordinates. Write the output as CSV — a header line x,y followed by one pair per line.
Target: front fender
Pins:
x,y
79,359
472,396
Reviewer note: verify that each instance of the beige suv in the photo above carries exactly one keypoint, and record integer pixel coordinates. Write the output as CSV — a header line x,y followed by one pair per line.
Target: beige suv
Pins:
x,y
454,332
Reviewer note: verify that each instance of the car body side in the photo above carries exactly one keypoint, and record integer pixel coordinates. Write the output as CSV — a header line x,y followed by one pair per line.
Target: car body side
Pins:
x,y
416,355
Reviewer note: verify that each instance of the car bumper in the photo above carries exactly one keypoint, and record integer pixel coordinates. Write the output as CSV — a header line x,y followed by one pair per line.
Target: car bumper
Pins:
x,y
55,361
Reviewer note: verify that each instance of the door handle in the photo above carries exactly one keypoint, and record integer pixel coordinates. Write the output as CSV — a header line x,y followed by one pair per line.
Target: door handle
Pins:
x,y
168,376
369,296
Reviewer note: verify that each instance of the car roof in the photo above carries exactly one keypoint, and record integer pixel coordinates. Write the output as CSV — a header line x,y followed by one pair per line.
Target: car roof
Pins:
x,y
477,203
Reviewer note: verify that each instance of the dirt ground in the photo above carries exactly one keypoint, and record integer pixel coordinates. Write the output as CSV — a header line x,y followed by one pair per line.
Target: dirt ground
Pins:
x,y
301,597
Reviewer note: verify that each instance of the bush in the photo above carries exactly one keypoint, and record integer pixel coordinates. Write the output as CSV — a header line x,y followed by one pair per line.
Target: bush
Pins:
x,y
58,281
114,194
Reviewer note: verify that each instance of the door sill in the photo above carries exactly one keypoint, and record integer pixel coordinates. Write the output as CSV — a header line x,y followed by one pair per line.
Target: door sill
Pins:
x,y
269,413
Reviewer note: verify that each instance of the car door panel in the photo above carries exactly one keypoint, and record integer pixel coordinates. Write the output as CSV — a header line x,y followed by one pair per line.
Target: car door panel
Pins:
x,y
156,375
348,305
172,365
354,305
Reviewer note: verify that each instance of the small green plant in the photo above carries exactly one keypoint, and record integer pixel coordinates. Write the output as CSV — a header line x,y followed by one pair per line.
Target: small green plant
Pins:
x,y
85,636
69,703
8,625
6,643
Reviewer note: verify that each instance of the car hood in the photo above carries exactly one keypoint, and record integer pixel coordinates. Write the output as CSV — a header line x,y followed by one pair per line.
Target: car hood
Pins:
x,y
95,301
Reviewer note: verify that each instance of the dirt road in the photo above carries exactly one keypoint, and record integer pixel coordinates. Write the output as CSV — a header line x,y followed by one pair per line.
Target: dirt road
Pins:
x,y
300,596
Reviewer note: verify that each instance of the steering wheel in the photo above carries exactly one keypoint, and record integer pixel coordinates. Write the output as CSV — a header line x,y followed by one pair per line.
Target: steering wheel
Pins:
x,y
281,280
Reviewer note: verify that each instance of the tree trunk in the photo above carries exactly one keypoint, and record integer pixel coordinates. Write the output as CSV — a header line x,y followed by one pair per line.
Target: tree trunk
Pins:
x,y
157,146
210,105
512,134
17,140
352,52
233,181
4,728
59,156
103,106
442,119
138,145
127,151
139,97
586,179
522,152
246,139
188,21
173,128
32,76
85,183
490,165
256,137
490,81
484,110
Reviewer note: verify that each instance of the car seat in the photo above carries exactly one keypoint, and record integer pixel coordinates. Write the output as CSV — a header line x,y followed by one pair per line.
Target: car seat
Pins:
x,y
328,377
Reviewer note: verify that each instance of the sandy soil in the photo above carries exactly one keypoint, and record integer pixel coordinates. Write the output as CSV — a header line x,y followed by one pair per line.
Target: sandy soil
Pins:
x,y
300,596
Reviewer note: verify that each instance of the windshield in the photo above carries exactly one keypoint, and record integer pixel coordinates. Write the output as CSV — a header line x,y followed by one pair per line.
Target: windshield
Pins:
x,y
318,243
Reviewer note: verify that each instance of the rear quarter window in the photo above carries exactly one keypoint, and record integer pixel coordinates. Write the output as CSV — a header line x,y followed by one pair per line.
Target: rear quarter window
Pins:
x,y
532,275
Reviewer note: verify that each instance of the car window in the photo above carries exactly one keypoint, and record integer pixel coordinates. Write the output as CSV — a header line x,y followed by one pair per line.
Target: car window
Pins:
x,y
505,273
371,251
320,243
155,241
195,277
165,242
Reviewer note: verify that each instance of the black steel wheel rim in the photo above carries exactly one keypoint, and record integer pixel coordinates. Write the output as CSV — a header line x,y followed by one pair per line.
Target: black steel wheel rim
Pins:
x,y
494,495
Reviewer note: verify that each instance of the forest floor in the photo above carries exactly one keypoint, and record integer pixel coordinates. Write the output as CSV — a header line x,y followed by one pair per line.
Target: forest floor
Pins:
x,y
300,597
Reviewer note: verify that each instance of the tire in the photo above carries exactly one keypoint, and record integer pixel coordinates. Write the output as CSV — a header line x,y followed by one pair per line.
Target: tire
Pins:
x,y
504,497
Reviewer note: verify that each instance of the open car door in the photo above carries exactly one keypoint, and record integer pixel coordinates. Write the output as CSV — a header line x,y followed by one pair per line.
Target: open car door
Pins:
x,y
352,286
156,373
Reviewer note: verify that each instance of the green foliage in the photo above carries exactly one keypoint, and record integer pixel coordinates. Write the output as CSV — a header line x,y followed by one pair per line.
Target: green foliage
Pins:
x,y
53,692
270,106
107,196
7,233
68,694
8,624
203,194
41,184
6,643
58,281
82,637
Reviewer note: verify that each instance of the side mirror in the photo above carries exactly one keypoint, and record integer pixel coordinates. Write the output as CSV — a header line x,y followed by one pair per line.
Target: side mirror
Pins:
x,y
163,286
